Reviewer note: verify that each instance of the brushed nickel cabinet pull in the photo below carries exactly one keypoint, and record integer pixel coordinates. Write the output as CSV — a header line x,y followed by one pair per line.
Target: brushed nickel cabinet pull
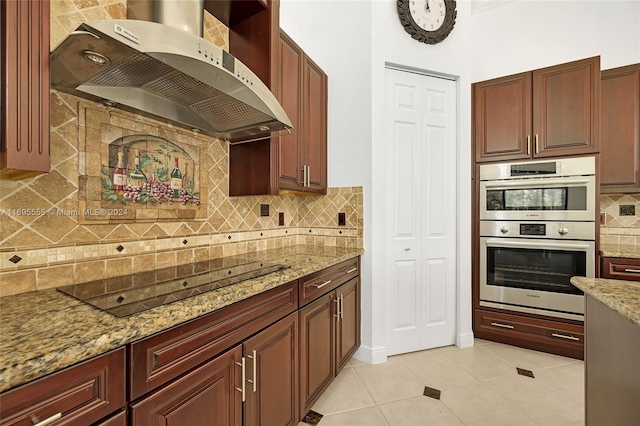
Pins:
x,y
497,324
35,421
341,306
564,336
634,271
536,143
352,270
253,382
337,314
528,144
244,378
319,286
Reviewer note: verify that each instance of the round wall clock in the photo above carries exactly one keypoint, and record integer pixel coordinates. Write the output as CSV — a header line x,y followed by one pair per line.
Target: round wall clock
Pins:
x,y
428,21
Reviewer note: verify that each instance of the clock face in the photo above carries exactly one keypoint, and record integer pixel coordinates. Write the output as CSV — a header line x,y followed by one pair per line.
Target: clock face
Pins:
x,y
428,21
428,14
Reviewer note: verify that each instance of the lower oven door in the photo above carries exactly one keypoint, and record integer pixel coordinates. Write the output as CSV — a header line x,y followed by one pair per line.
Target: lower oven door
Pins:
x,y
533,276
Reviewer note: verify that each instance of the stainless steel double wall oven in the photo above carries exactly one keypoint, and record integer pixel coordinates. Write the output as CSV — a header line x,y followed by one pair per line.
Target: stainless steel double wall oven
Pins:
x,y
537,230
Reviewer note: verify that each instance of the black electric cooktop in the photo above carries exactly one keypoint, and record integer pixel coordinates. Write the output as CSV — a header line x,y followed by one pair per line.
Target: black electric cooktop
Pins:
x,y
129,294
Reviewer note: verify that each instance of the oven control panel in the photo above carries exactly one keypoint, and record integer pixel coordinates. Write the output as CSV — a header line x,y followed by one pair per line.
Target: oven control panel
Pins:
x,y
542,229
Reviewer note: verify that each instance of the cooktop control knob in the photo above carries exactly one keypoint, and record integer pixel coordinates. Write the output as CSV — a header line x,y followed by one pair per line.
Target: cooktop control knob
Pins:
x,y
563,231
504,229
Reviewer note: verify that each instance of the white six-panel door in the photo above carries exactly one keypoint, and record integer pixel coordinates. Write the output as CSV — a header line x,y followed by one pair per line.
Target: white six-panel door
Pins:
x,y
420,169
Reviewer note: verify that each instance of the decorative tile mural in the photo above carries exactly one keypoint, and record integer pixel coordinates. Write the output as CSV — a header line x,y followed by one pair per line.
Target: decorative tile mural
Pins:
x,y
147,170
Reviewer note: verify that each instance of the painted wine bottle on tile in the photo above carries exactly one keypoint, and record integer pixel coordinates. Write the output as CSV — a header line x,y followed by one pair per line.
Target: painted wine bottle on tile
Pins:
x,y
176,179
136,176
119,174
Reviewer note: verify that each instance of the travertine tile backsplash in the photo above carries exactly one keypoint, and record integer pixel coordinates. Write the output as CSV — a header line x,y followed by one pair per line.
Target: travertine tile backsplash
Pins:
x,y
618,229
46,241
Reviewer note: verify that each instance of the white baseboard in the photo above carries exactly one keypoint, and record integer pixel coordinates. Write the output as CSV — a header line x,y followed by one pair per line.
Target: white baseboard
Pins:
x,y
464,340
377,355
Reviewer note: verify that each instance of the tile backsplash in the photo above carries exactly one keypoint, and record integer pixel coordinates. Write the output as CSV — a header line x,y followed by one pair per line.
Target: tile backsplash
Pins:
x,y
618,229
47,240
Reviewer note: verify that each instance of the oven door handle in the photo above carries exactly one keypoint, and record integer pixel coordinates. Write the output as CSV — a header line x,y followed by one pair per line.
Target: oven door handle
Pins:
x,y
496,242
524,183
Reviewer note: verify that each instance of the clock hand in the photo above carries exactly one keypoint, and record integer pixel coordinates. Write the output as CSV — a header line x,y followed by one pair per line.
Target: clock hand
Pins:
x,y
426,6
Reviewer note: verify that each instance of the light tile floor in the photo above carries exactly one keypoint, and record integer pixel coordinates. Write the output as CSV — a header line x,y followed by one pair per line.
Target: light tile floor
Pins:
x,y
479,386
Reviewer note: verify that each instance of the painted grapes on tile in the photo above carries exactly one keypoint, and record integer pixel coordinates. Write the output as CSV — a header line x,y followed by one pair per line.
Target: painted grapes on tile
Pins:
x,y
148,170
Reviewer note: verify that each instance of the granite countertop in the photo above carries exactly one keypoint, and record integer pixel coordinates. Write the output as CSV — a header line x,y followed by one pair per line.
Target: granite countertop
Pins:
x,y
621,296
620,250
44,331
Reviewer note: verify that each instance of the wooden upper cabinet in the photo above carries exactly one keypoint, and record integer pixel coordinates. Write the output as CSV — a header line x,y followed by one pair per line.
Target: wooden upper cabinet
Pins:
x,y
566,109
620,130
553,111
502,118
290,97
314,140
25,150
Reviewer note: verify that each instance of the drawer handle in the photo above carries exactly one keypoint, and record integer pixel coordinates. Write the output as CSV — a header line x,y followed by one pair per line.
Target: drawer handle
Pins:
x,y
36,421
564,336
319,286
355,269
635,271
497,324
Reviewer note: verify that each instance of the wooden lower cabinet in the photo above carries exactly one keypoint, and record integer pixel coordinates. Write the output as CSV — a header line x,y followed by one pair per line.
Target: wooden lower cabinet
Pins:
x,y
206,395
329,336
620,269
271,390
566,339
317,346
82,394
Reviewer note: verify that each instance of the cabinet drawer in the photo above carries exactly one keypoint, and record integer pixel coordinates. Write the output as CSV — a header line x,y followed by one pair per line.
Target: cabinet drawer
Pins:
x,y
621,269
82,394
545,333
321,282
160,358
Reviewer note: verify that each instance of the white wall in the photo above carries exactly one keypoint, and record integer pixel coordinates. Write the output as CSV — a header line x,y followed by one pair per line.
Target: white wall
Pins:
x,y
353,39
524,35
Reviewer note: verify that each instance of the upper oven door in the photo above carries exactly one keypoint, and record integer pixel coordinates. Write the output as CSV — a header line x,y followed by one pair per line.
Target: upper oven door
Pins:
x,y
557,198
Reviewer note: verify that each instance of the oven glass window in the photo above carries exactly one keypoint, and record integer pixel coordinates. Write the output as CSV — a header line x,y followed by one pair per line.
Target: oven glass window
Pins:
x,y
537,199
535,269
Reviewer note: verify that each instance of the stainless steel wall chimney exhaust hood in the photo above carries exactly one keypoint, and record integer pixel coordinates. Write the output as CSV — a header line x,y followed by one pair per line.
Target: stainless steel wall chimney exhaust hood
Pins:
x,y
168,74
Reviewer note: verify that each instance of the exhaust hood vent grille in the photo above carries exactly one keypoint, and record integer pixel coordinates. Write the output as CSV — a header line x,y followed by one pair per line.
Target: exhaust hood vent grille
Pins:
x,y
183,89
229,114
133,70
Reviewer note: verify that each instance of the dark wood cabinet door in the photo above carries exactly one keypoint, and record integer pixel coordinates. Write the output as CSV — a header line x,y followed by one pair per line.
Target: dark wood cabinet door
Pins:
x,y
272,375
314,138
502,118
204,396
348,322
620,130
566,108
317,359
290,97
25,148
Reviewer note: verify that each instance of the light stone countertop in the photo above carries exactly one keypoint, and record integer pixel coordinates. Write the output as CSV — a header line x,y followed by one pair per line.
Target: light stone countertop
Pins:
x,y
45,331
621,296
620,250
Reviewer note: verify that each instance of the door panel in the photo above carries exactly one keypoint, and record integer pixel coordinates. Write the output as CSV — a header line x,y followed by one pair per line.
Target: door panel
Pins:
x,y
207,395
420,209
275,398
502,118
315,128
317,362
348,330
